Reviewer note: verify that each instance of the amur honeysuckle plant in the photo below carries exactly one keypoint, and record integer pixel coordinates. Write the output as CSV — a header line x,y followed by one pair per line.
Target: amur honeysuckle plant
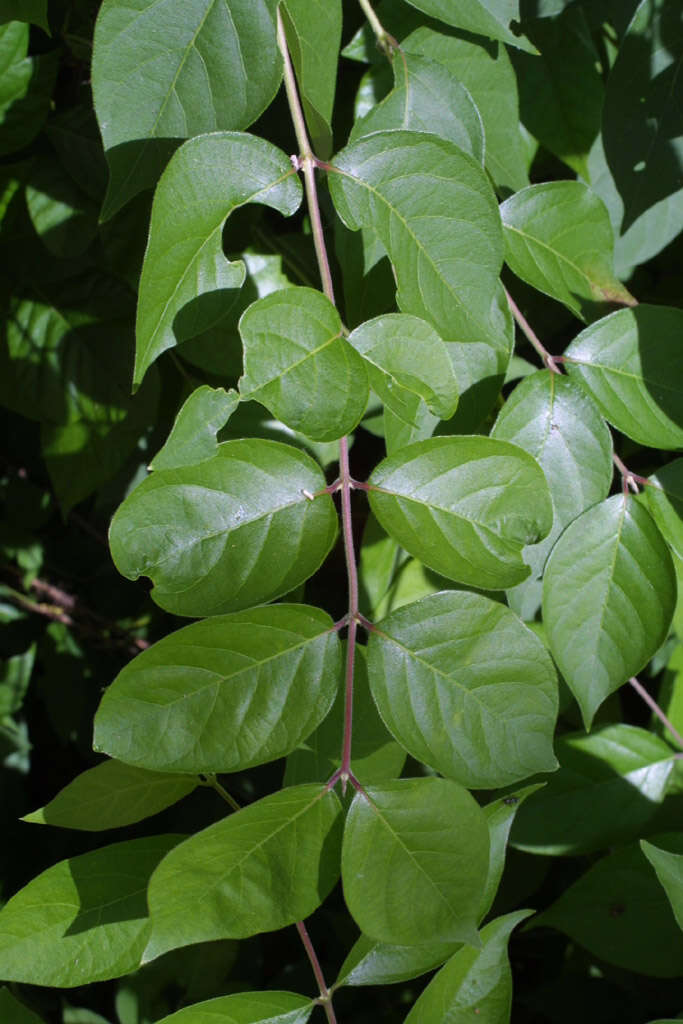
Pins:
x,y
396,449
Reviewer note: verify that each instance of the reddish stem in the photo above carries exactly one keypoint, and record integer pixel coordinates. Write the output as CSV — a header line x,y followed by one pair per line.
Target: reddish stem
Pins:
x,y
325,995
655,708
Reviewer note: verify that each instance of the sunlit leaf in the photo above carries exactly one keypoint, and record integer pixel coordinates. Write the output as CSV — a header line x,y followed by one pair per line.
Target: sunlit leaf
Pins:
x,y
668,866
483,17
246,1008
313,30
193,435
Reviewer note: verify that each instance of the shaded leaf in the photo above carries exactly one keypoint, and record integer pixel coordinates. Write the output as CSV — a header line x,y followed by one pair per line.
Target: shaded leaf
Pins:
x,y
82,920
664,500
465,506
193,435
500,815
235,530
223,694
34,11
558,238
371,962
165,73
63,216
14,1012
554,421
26,85
609,593
466,688
434,836
264,867
407,359
610,783
619,912
668,866
110,795
426,97
473,982
313,30
642,117
185,275
561,91
246,1008
489,18
299,366
631,364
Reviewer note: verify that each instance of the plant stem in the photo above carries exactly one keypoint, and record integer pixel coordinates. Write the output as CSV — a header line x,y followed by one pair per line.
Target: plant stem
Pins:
x,y
386,42
307,163
655,708
212,781
325,994
531,335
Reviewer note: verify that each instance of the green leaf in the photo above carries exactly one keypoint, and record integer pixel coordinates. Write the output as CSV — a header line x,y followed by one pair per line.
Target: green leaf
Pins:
x,y
609,593
407,358
561,91
631,364
246,1008
63,215
554,421
223,694
110,795
474,981
465,506
260,869
193,435
466,688
500,815
487,73
669,870
163,74
370,962
233,531
375,756
642,113
299,366
313,29
34,11
82,920
26,85
664,500
489,18
185,275
609,785
558,238
15,676
619,912
433,835
11,1010
433,209
427,97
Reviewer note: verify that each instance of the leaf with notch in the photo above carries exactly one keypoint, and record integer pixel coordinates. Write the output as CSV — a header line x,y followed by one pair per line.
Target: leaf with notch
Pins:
x,y
609,593
110,795
84,919
466,688
407,359
434,211
465,506
313,29
299,366
185,274
193,434
270,1007
489,18
166,72
631,364
426,97
263,867
223,694
230,532
550,417
558,238
433,835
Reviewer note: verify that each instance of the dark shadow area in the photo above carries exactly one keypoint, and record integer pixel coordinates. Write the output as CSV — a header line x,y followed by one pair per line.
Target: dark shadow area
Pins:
x,y
661,356
133,167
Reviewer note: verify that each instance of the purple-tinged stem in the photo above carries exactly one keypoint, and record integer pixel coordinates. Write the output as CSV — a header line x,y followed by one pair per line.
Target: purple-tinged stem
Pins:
x,y
325,995
528,331
655,708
